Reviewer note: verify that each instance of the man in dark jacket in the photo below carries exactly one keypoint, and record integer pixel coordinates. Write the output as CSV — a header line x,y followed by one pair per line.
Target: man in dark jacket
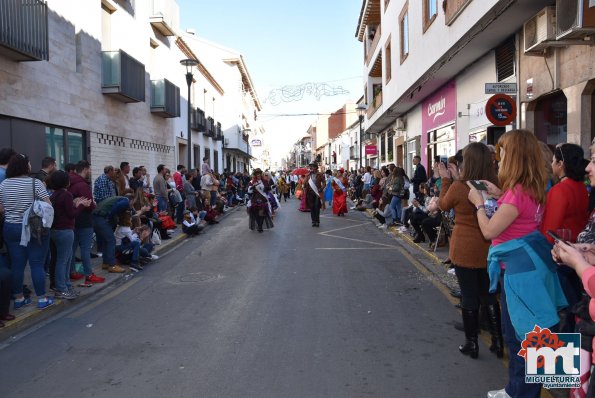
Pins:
x,y
419,175
80,187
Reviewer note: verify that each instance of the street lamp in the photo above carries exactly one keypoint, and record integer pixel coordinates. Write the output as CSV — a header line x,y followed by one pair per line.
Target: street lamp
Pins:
x,y
189,64
361,111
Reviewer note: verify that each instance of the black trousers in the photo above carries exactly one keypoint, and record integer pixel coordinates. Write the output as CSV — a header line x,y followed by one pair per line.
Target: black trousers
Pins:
x,y
314,200
5,289
429,226
416,219
474,284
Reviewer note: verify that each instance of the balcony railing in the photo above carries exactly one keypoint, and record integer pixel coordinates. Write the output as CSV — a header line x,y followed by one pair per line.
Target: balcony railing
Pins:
x,y
123,77
376,102
218,133
165,98
164,16
373,45
197,120
24,30
210,131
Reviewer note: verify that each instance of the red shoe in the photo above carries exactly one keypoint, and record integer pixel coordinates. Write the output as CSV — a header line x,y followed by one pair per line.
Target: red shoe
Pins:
x,y
75,276
94,279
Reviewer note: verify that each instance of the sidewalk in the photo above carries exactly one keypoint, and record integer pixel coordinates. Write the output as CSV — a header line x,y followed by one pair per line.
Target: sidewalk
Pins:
x,y
29,316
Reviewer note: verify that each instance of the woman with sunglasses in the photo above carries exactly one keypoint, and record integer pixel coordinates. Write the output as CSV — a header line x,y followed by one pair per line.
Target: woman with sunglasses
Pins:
x,y
519,258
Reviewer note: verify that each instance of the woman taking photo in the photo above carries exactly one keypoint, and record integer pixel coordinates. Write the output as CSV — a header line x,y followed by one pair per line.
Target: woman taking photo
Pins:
x,y
468,248
17,194
519,258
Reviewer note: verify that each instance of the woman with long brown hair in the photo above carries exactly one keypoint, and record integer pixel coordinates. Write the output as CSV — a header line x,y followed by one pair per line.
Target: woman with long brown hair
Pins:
x,y
468,249
519,258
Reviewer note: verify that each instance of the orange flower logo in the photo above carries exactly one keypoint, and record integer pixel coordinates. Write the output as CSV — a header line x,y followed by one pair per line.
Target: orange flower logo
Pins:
x,y
539,338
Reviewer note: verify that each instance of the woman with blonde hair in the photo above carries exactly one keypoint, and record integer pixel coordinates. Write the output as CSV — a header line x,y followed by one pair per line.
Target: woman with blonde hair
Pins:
x,y
519,258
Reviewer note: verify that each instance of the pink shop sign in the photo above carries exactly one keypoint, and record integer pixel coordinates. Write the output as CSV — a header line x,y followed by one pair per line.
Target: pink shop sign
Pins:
x,y
440,108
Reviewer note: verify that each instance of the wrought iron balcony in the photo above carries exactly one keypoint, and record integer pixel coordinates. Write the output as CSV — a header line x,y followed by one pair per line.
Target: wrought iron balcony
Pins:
x,y
123,77
164,16
218,133
24,30
165,98
197,120
210,131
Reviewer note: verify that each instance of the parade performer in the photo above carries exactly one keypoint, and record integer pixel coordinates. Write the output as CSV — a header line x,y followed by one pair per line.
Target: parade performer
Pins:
x,y
270,183
328,190
314,191
259,208
283,188
301,195
340,184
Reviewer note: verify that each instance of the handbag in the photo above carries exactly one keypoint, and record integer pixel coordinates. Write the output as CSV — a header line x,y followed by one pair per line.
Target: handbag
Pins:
x,y
34,221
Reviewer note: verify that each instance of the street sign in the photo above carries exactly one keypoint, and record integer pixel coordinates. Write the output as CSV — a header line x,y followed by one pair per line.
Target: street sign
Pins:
x,y
501,109
500,88
371,150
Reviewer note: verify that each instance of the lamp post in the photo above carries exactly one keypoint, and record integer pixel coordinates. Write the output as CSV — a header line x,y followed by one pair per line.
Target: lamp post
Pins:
x,y
189,64
361,111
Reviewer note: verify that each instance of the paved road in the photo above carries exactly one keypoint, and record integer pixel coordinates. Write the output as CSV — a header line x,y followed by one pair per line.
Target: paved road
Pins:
x,y
337,311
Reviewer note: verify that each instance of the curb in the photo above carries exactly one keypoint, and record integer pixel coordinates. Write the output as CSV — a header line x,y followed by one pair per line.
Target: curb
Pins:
x,y
35,317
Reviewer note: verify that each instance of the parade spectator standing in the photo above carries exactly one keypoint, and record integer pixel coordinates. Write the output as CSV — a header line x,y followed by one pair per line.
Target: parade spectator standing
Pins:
x,y
419,175
189,190
65,211
48,165
104,220
80,187
205,168
5,274
5,155
179,180
125,169
17,194
367,180
104,185
136,181
146,179
161,188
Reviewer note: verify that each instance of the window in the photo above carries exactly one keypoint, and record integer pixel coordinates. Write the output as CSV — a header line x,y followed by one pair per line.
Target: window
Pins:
x,y
404,30
216,161
430,12
54,141
75,143
388,60
505,59
196,154
386,4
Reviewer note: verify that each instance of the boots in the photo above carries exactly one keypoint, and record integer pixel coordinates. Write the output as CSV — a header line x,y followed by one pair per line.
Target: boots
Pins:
x,y
471,325
497,346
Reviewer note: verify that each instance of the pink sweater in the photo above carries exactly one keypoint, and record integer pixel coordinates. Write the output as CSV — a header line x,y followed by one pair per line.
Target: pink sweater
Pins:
x,y
589,285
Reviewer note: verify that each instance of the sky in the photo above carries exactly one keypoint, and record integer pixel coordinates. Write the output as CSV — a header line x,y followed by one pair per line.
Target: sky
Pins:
x,y
287,43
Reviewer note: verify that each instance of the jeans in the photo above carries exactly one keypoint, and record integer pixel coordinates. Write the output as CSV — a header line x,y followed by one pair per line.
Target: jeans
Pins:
x,y
133,245
213,198
83,238
161,203
103,229
516,386
63,239
395,205
146,249
35,252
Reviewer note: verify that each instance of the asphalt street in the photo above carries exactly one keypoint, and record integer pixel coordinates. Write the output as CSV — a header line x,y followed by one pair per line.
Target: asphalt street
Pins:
x,y
336,311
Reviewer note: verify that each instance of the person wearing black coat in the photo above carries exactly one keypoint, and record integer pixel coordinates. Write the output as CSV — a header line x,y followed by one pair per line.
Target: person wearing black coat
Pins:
x,y
419,175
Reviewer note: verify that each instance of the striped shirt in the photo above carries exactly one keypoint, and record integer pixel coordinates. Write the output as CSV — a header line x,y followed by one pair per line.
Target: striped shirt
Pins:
x,y
16,195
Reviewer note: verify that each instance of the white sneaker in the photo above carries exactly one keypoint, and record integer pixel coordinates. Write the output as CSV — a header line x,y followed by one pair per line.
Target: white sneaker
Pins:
x,y
452,272
382,226
498,394
403,229
99,254
154,257
352,208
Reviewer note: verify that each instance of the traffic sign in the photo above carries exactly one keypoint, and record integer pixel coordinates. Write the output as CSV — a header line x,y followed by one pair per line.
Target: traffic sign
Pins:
x,y
501,109
500,88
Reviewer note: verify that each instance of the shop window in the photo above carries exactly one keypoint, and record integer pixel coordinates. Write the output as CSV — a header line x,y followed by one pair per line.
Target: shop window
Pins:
x,y
441,142
505,60
551,119
54,141
75,142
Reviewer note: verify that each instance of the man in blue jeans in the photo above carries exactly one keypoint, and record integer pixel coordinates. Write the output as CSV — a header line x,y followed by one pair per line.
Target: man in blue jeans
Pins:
x,y
161,188
104,219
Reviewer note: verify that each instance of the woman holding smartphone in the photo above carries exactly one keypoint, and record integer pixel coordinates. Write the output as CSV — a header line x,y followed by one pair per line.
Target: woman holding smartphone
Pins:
x,y
519,257
468,249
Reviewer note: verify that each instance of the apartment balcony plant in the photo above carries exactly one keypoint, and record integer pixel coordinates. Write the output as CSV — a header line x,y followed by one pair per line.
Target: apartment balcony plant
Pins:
x,y
24,30
164,16
198,120
165,98
123,77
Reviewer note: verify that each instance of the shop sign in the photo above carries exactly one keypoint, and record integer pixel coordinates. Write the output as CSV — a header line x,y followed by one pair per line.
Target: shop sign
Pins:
x,y
477,115
371,149
256,143
500,88
440,108
501,109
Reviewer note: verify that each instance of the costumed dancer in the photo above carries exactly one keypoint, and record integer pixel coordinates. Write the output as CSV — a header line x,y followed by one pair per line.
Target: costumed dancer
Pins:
x,y
269,182
301,194
340,184
314,193
283,188
328,191
259,207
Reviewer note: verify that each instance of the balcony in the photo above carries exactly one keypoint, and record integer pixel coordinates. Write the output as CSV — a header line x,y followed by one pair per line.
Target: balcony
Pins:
x,y
165,98
24,30
197,120
123,77
210,130
353,153
164,16
376,103
373,45
218,134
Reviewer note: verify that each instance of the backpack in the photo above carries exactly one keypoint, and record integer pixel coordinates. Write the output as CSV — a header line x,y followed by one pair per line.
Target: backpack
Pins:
x,y
35,222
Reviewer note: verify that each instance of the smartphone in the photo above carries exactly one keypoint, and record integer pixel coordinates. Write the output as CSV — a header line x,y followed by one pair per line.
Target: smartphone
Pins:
x,y
555,236
442,159
478,185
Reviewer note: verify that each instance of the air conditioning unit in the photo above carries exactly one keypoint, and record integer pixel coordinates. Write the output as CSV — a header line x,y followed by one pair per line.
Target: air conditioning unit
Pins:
x,y
574,18
400,124
540,30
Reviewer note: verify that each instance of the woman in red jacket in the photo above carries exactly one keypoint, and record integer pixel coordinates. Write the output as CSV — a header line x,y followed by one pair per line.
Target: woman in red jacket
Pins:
x,y
567,208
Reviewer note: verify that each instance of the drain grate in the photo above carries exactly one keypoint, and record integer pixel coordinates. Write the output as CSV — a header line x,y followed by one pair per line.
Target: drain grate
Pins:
x,y
198,277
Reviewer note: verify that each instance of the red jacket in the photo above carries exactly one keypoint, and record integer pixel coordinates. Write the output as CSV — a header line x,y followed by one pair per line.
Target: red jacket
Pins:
x,y
566,207
179,181
79,187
